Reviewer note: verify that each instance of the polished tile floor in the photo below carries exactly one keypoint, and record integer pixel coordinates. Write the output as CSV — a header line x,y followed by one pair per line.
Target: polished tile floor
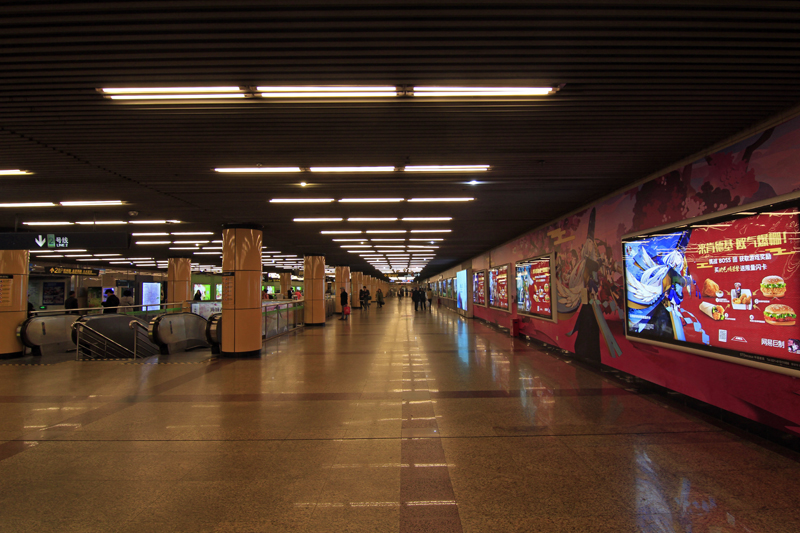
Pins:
x,y
394,421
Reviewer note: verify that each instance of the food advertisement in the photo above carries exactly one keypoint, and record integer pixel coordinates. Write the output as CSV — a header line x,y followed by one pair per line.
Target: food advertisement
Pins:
x,y
479,288
731,287
533,287
498,287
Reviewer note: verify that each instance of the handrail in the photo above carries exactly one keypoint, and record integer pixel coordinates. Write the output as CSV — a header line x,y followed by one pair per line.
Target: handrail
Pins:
x,y
138,329
81,327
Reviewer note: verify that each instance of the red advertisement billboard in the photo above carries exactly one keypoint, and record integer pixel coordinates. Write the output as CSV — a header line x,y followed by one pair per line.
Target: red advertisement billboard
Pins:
x,y
534,287
479,288
498,287
727,285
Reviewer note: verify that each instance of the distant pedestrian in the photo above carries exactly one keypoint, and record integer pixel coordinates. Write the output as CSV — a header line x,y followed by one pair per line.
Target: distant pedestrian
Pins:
x,y
415,298
429,297
379,298
71,303
345,306
111,304
198,296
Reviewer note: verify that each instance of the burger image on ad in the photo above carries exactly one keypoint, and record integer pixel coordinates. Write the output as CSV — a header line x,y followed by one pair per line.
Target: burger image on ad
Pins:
x,y
779,315
773,287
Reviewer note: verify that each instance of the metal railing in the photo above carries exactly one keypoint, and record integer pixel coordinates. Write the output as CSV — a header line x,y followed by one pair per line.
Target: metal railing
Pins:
x,y
93,345
142,346
278,317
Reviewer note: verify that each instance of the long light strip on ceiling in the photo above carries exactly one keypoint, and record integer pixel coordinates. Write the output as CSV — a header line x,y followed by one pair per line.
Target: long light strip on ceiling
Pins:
x,y
481,91
300,200
372,219
351,169
14,172
371,200
387,231
431,230
327,91
340,232
317,219
29,204
48,223
262,170
92,202
446,168
459,199
427,219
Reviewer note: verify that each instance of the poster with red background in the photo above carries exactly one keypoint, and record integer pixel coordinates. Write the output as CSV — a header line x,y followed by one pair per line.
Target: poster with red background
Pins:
x,y
479,288
498,287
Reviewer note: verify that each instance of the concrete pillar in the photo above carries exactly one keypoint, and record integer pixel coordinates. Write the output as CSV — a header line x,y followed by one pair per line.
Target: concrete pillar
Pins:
x,y
179,279
241,290
286,282
13,300
314,290
355,286
342,280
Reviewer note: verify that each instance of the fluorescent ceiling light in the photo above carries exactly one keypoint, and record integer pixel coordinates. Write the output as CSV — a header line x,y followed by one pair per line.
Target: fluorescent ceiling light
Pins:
x,y
431,230
14,172
48,223
207,253
371,200
264,170
193,233
387,231
390,245
372,219
190,242
151,221
316,219
153,242
388,240
425,240
92,202
482,91
419,246
463,199
149,234
29,204
107,255
427,219
90,259
300,200
213,248
119,262
183,248
41,251
173,96
159,90
342,232
350,240
327,91
355,246
79,255
101,222
351,169
447,168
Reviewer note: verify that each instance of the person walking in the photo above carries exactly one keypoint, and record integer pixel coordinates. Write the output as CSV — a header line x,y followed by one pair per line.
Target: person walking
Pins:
x,y
345,307
127,300
379,298
365,298
429,297
415,298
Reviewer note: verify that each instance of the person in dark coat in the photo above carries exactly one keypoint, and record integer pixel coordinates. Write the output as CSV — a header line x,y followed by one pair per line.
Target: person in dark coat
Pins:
x,y
343,299
111,303
415,298
71,303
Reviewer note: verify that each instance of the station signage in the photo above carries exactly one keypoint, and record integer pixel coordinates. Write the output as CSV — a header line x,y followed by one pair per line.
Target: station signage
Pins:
x,y
69,271
64,241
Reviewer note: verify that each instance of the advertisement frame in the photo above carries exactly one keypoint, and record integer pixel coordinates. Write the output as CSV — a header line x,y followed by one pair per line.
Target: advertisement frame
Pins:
x,y
553,292
776,203
508,266
485,277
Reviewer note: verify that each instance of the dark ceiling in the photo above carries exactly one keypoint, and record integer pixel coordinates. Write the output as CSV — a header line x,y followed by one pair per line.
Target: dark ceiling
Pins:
x,y
646,84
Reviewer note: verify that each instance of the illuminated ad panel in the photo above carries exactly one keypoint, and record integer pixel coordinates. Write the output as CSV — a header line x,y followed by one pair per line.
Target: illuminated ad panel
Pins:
x,y
461,290
728,286
534,294
498,287
479,288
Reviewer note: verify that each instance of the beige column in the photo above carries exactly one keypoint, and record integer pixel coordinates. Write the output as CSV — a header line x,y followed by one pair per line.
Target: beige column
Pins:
x,y
286,282
342,280
179,279
355,286
13,300
314,294
241,290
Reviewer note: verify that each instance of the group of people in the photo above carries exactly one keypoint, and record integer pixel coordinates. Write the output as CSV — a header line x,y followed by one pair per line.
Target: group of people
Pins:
x,y
419,296
364,296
